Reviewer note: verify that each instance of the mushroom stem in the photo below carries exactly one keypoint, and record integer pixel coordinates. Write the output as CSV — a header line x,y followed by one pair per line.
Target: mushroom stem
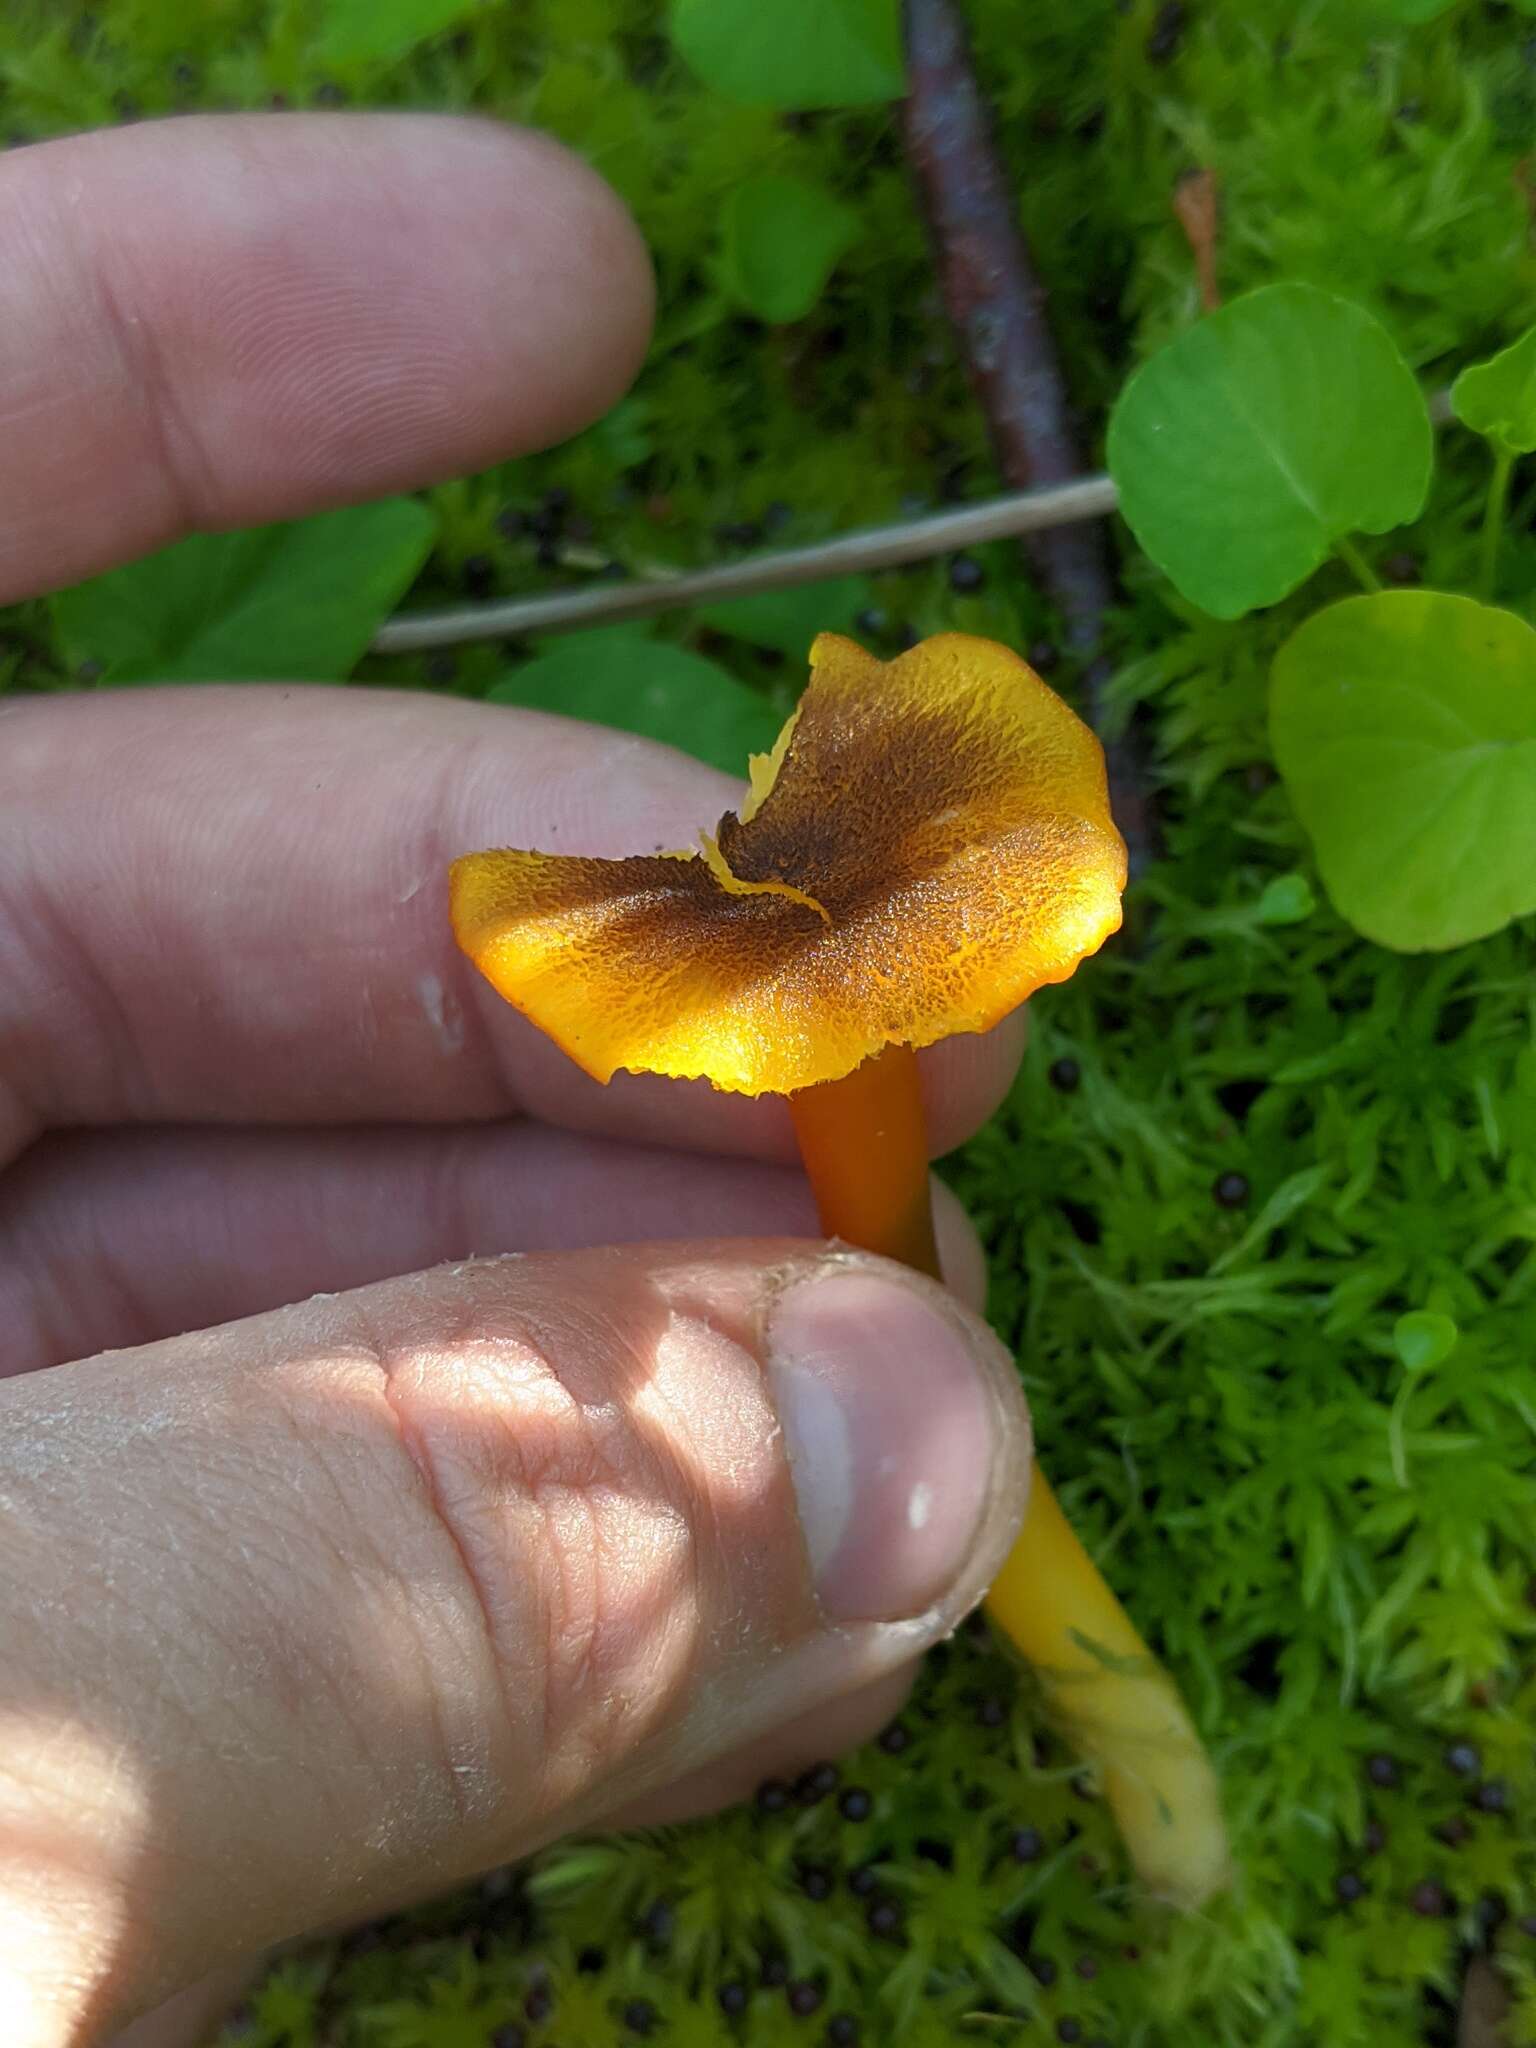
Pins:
x,y
863,1143
865,1150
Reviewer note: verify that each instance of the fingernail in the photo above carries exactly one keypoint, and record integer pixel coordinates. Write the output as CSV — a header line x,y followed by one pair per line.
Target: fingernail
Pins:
x,y
886,1398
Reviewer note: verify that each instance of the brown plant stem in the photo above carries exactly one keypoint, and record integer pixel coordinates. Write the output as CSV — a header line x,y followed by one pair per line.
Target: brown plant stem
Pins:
x,y
1197,209
864,1146
997,306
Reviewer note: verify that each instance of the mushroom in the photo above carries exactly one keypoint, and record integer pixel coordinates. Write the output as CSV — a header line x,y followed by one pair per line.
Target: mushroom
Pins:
x,y
927,844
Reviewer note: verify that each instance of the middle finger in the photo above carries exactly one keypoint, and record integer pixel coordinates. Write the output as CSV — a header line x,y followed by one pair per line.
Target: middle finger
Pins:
x,y
119,1238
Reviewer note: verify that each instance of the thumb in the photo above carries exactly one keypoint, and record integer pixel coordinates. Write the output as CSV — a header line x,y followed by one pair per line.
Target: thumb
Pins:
x,y
338,1605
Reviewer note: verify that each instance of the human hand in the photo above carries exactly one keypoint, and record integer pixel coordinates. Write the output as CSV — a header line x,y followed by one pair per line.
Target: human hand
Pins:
x,y
316,1611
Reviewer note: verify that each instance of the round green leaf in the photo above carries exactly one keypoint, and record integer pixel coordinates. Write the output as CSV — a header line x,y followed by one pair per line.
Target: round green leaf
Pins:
x,y
789,620
1254,442
356,32
780,240
1498,398
301,600
1288,899
793,53
1423,1339
618,677
1405,727
1410,12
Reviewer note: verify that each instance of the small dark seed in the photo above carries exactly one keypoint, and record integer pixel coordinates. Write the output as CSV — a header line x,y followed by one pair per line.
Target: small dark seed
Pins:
x,y
774,1972
509,2036
934,1849
658,1921
1429,1900
991,1713
1492,1912
1230,1190
590,1960
895,1739
804,1998
732,2000
865,1881
873,622
907,637
1087,1968
1374,1839
1492,1796
539,2003
739,533
1381,1769
772,1796
1028,1845
1401,566
441,668
777,516
1043,1970
816,1784
1464,1758
1066,1075
1257,777
855,1804
1167,32
966,574
884,1919
1069,2029
1453,1832
329,94
1348,1886
1043,656
640,2015
843,2030
816,1882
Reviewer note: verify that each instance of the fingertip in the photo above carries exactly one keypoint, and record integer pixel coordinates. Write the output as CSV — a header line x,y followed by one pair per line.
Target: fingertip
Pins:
x,y
221,320
595,276
966,1079
962,1259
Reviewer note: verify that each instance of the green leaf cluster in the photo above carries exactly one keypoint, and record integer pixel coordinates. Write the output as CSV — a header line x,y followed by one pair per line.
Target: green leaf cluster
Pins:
x,y
1404,722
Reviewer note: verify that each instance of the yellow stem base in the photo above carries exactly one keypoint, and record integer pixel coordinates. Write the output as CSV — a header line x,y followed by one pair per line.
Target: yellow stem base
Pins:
x,y
864,1147
1115,1702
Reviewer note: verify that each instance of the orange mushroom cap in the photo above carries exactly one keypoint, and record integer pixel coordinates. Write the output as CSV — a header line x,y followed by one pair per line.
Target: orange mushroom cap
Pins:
x,y
928,843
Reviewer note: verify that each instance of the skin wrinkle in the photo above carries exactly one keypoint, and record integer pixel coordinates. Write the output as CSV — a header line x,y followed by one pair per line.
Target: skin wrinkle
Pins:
x,y
471,1793
177,455
560,1522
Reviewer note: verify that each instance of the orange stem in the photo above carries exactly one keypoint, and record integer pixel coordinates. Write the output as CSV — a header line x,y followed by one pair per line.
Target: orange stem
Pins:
x,y
865,1151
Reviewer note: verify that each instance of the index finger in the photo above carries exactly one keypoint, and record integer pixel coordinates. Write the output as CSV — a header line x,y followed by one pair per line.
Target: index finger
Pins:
x,y
218,321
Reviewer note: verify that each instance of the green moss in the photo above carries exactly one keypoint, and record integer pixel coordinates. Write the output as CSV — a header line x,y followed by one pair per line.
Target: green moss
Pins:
x,y
1335,1559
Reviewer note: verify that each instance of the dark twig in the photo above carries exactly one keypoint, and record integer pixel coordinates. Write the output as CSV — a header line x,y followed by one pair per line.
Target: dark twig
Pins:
x,y
1485,2002
998,307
